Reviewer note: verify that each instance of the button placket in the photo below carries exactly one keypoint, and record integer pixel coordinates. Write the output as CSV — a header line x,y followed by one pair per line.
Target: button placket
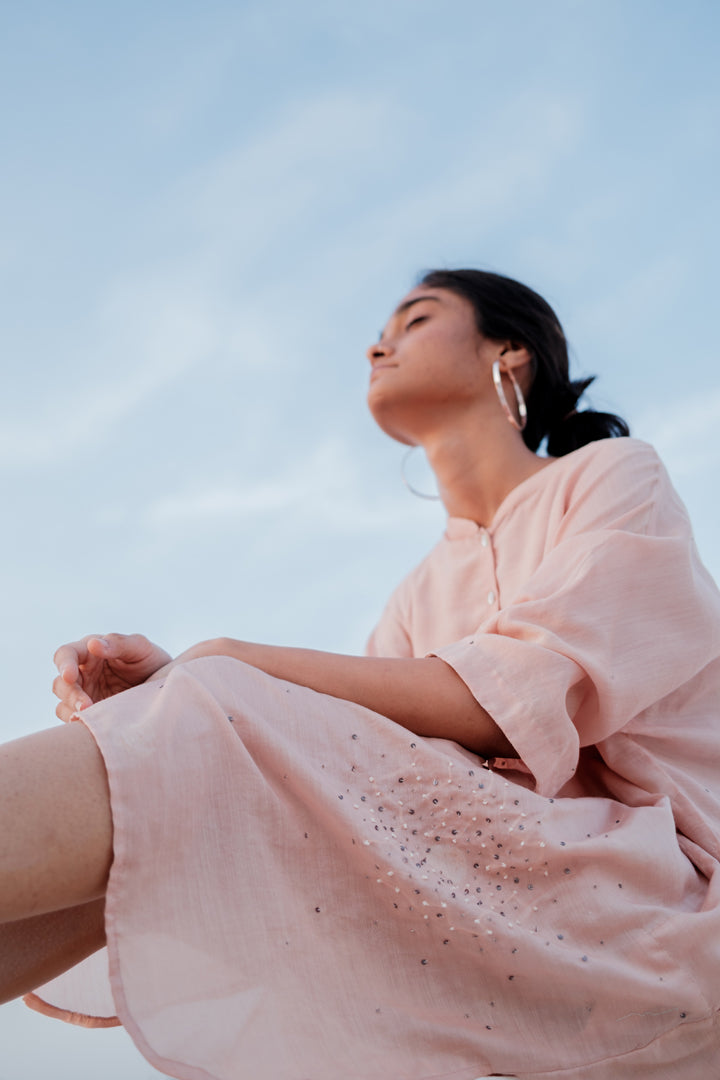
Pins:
x,y
492,594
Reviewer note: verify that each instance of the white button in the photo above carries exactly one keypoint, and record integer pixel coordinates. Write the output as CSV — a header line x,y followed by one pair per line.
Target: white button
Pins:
x,y
484,538
491,597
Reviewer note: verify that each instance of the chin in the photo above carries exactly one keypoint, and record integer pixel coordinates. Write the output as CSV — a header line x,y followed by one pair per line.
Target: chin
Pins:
x,y
389,423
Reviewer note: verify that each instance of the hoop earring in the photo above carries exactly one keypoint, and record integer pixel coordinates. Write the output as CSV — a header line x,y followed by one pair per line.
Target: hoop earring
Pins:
x,y
406,482
522,408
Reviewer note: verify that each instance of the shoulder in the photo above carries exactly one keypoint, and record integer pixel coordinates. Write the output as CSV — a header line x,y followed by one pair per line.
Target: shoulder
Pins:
x,y
624,478
623,454
612,463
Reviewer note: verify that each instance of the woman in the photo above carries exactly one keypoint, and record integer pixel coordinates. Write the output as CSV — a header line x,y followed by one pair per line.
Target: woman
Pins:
x,y
489,846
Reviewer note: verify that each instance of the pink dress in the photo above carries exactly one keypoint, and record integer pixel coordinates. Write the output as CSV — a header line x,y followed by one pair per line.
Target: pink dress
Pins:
x,y
303,890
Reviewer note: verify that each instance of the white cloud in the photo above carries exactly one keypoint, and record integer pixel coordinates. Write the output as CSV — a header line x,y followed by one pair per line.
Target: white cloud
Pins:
x,y
208,506
303,481
159,321
475,187
147,334
316,153
324,487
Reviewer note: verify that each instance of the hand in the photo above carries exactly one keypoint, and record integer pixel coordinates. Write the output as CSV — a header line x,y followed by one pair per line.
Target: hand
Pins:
x,y
97,667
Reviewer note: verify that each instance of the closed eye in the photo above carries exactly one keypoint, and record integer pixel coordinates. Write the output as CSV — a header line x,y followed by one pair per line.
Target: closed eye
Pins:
x,y
417,319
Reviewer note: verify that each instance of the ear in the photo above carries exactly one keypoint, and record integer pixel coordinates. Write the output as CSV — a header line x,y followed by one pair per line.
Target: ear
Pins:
x,y
513,356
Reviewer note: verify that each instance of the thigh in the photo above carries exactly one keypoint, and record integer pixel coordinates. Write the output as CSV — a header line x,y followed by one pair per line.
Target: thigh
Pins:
x,y
55,822
35,950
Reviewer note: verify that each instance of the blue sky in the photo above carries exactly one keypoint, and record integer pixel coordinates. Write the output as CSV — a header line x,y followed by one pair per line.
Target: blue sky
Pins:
x,y
209,210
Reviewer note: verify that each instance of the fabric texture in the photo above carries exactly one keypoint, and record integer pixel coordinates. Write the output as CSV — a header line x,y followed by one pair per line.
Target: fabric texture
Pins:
x,y
303,890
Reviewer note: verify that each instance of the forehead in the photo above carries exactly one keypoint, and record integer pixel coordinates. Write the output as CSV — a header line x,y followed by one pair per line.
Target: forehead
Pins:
x,y
440,298
422,292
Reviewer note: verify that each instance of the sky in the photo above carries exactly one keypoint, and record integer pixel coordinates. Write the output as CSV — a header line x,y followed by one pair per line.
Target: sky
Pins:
x,y
207,213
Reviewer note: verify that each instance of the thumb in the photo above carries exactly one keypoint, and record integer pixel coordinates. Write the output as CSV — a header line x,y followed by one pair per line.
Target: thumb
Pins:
x,y
124,648
99,646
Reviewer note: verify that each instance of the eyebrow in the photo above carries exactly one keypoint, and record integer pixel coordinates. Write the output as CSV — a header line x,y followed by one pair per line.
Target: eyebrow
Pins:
x,y
402,308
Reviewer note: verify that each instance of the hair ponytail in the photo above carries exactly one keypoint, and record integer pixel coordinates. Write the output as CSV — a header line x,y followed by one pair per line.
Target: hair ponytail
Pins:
x,y
579,428
506,309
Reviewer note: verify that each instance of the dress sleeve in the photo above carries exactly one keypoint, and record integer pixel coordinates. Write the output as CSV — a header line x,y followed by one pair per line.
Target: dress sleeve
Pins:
x,y
619,614
390,637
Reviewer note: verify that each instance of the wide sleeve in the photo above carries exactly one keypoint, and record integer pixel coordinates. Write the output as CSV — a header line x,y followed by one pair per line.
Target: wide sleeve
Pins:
x,y
619,614
390,637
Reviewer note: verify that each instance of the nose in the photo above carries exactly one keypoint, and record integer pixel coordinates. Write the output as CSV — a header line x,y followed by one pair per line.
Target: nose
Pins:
x,y
379,351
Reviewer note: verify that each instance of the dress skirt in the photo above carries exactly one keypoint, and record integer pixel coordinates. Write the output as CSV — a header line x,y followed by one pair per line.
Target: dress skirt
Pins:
x,y
304,890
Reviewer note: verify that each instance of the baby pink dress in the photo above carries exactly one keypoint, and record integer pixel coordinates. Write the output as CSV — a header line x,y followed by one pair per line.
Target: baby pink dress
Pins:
x,y
303,890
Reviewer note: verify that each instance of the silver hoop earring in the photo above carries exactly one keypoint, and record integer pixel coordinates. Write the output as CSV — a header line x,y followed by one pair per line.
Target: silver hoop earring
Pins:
x,y
406,482
522,408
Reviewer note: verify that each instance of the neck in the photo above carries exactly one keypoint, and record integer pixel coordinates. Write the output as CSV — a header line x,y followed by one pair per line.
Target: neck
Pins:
x,y
475,474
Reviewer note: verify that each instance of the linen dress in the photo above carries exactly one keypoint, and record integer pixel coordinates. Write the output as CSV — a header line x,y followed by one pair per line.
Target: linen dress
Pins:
x,y
304,890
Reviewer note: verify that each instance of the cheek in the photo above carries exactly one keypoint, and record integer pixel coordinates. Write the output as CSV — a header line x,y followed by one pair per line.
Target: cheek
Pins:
x,y
441,352
456,363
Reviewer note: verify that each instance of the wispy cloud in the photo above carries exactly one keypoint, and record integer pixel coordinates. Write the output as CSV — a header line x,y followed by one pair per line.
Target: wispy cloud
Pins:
x,y
319,151
208,506
324,487
230,219
473,191
145,336
225,290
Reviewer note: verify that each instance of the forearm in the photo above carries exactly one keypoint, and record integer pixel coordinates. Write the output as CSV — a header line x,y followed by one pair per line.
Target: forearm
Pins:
x,y
423,695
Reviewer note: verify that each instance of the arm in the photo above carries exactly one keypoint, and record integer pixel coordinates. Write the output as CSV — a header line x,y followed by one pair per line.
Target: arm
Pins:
x,y
423,695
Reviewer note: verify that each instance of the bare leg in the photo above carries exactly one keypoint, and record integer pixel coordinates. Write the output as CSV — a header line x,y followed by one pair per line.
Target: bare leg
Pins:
x,y
33,951
55,823
55,853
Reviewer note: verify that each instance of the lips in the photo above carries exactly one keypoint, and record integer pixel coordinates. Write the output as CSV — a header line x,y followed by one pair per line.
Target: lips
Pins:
x,y
378,368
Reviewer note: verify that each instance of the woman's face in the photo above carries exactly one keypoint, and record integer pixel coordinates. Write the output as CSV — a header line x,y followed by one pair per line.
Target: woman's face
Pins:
x,y
430,363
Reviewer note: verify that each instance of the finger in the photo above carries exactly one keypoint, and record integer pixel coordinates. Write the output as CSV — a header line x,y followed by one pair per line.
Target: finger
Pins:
x,y
127,647
63,689
69,670
101,646
71,695
64,713
68,658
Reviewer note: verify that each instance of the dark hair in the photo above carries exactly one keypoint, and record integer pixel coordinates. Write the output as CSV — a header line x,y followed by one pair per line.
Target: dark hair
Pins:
x,y
505,309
